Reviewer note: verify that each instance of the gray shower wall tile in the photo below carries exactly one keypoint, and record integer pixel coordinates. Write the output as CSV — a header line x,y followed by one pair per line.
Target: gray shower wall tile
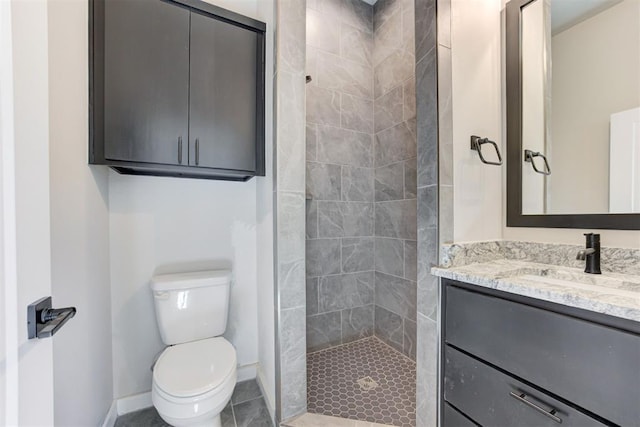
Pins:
x,y
393,70
323,106
324,330
311,65
410,338
428,207
345,219
311,142
356,113
388,37
311,228
428,297
357,323
347,76
290,249
330,7
388,109
446,214
425,27
396,295
408,26
312,286
383,10
356,44
427,130
324,181
346,291
411,260
344,147
290,49
357,184
358,14
427,372
293,352
389,328
291,132
444,22
396,143
317,36
323,257
445,117
389,256
409,98
396,219
410,179
357,254
389,182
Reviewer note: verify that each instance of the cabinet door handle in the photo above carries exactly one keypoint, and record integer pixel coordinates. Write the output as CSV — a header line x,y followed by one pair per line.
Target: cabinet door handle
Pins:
x,y
179,150
197,151
522,397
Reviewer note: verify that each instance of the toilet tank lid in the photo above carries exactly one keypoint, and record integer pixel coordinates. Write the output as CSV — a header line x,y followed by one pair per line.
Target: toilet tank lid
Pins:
x,y
190,280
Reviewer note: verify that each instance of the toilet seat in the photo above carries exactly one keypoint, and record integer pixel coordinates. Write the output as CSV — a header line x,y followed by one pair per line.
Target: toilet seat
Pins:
x,y
192,369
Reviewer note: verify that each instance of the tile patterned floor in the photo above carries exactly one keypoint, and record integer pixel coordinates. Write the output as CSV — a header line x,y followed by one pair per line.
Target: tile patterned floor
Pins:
x,y
246,409
385,393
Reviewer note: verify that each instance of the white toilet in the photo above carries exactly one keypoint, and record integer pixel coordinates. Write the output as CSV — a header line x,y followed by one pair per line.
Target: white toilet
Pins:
x,y
194,378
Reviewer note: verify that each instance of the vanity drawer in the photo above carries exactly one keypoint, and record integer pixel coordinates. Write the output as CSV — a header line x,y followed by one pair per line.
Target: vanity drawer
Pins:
x,y
593,366
452,418
493,398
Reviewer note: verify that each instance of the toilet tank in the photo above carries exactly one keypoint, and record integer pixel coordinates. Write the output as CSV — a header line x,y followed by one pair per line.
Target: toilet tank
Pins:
x,y
191,306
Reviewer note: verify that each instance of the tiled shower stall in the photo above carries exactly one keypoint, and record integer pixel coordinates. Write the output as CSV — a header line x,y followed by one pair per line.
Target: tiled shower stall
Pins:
x,y
361,174
378,196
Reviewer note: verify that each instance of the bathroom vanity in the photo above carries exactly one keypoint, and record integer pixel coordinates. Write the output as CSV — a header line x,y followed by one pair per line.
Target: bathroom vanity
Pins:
x,y
532,344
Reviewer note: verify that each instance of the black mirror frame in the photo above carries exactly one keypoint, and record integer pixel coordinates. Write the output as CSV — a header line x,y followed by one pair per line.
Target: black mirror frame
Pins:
x,y
515,157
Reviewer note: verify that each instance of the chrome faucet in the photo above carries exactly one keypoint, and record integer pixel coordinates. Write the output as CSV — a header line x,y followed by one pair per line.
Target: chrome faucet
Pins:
x,y
591,254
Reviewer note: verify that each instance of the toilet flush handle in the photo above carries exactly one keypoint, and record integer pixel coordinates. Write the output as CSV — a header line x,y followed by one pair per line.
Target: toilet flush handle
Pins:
x,y
163,295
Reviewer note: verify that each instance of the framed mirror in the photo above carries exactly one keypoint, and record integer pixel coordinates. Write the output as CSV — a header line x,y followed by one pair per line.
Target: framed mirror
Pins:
x,y
573,113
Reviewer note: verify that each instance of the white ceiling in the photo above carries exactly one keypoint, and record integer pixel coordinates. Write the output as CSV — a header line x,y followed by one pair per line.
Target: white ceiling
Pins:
x,y
567,13
371,2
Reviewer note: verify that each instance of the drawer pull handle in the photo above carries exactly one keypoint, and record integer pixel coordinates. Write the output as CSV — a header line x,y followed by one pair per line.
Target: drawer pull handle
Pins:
x,y
523,398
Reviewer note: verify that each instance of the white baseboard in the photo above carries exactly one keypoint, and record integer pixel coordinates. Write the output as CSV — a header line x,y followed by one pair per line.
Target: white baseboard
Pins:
x,y
247,372
134,403
112,415
269,399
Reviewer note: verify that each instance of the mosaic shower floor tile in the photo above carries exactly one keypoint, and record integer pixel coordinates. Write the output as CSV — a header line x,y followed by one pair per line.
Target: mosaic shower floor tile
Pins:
x,y
364,380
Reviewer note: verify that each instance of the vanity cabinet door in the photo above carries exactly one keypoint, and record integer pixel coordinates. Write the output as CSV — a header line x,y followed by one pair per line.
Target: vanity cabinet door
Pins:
x,y
223,90
453,418
594,366
493,398
146,81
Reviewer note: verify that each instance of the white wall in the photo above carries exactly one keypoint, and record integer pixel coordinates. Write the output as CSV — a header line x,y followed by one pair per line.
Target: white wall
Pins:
x,y
475,55
83,379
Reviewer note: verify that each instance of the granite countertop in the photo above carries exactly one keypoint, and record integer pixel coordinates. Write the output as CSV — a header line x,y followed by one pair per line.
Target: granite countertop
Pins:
x,y
610,293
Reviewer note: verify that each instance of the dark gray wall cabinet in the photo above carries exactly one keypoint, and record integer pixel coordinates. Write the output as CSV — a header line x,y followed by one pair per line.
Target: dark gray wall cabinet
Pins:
x,y
515,361
176,88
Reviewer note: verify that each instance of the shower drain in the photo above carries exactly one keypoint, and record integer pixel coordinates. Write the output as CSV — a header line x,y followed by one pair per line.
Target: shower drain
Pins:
x,y
367,383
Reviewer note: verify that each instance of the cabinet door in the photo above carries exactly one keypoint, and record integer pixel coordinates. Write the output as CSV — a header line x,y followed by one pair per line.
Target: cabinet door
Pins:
x,y
146,81
222,120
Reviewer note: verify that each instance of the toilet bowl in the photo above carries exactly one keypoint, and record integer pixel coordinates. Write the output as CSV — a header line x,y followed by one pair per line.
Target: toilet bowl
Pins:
x,y
193,382
194,377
